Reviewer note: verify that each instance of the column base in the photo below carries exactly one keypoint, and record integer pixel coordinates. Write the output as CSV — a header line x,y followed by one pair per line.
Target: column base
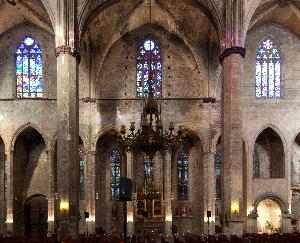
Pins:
x,y
211,228
50,230
90,227
234,228
9,229
168,228
130,228
287,223
252,225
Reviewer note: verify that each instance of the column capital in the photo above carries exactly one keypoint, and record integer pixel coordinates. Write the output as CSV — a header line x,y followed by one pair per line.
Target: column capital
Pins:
x,y
67,50
91,152
232,50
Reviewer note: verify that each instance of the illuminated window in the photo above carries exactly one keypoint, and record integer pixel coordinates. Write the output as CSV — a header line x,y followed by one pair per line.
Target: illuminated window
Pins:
x,y
81,172
148,167
29,69
218,164
182,167
268,70
115,173
149,52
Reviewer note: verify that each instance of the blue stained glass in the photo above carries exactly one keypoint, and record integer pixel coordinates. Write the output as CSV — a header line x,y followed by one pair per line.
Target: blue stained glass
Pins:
x,y
81,171
29,68
268,82
149,52
115,173
218,164
148,167
182,168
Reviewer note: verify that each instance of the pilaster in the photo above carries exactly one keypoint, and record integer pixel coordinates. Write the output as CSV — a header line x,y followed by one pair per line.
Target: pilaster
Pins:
x,y
10,194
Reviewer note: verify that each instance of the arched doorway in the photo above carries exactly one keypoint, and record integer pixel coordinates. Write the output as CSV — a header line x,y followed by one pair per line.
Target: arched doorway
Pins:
x,y
269,216
35,216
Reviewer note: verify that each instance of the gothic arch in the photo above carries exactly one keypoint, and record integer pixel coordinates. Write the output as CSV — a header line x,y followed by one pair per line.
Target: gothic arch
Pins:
x,y
197,133
105,130
276,130
90,10
167,23
22,129
269,157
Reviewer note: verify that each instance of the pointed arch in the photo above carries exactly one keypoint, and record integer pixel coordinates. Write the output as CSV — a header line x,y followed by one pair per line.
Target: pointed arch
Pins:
x,y
29,68
23,128
268,155
269,78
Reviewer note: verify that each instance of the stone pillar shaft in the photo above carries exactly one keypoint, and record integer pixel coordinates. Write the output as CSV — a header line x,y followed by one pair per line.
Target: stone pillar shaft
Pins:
x,y
90,191
209,201
10,194
232,142
130,213
168,193
68,144
51,197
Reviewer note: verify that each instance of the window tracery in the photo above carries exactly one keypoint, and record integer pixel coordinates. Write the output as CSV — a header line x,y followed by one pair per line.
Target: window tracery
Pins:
x,y
29,69
268,70
149,65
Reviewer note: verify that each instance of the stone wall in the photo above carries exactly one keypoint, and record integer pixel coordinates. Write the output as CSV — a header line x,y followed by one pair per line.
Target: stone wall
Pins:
x,y
279,114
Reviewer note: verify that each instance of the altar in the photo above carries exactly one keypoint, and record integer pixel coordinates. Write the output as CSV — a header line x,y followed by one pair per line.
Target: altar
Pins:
x,y
150,230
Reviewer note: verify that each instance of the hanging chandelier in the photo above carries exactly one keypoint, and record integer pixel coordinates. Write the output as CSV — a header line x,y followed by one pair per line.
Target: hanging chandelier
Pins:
x,y
151,136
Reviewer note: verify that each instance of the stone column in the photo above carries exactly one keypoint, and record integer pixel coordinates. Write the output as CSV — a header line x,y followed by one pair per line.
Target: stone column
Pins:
x,y
168,193
287,222
90,191
231,58
232,141
67,115
10,194
252,222
130,213
51,194
209,180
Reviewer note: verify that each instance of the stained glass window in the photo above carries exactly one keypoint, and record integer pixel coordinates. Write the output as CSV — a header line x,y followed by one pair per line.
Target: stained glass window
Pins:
x,y
81,172
268,70
256,163
29,69
149,52
115,173
5,180
218,164
183,177
148,167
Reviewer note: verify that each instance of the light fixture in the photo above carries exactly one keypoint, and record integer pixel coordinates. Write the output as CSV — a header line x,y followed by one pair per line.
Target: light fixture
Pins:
x,y
150,137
